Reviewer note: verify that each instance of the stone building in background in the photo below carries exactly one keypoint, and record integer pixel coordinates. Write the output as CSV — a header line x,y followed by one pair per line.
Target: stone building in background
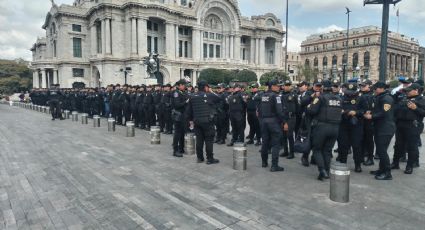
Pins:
x,y
96,41
325,52
293,65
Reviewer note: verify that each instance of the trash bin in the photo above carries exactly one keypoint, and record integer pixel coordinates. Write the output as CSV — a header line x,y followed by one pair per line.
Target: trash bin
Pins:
x,y
96,121
240,155
155,135
111,125
339,183
189,143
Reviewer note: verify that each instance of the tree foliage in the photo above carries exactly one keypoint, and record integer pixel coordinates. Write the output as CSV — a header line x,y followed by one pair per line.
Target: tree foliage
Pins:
x,y
246,76
15,76
216,76
308,74
278,75
14,84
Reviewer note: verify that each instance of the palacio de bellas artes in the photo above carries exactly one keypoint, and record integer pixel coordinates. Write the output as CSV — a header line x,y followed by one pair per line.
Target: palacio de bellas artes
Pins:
x,y
97,42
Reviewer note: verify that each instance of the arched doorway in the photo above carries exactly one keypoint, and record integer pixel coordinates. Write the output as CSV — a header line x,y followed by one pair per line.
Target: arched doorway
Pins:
x,y
78,85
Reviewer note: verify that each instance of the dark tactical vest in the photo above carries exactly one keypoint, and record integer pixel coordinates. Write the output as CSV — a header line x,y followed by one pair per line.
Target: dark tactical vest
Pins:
x,y
268,105
54,94
235,103
330,109
201,108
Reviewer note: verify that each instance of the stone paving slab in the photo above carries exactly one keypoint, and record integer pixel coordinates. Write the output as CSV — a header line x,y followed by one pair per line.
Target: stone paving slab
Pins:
x,y
65,175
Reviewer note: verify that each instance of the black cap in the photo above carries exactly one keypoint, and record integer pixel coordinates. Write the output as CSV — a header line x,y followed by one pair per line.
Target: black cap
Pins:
x,y
420,82
336,83
167,85
273,82
181,82
287,83
414,86
406,80
221,85
202,84
254,85
318,82
237,85
325,83
380,84
366,82
351,86
302,83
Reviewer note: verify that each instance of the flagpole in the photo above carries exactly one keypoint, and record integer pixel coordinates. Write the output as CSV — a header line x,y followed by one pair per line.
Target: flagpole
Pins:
x,y
398,21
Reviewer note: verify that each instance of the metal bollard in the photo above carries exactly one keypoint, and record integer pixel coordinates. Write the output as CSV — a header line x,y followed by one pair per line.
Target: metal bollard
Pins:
x,y
48,110
130,129
84,118
44,109
111,125
240,154
66,114
74,116
189,143
155,135
96,121
340,183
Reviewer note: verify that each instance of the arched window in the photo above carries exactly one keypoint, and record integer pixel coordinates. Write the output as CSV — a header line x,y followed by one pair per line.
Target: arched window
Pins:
x,y
316,62
355,60
270,22
307,63
366,59
334,60
344,59
213,37
325,62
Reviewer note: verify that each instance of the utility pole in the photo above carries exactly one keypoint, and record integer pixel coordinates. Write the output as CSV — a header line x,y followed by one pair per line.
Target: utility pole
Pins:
x,y
345,65
286,39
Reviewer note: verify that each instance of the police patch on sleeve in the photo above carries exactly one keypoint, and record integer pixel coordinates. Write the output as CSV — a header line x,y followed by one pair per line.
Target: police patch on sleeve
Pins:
x,y
176,94
387,107
278,100
353,102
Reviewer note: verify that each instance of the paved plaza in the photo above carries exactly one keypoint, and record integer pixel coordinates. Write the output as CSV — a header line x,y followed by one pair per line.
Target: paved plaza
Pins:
x,y
65,175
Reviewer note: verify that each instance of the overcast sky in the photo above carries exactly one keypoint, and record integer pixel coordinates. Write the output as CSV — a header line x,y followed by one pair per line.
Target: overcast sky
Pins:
x,y
21,20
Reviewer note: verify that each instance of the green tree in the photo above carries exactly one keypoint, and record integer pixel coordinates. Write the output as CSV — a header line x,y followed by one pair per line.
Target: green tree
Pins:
x,y
14,84
216,76
278,75
308,74
246,76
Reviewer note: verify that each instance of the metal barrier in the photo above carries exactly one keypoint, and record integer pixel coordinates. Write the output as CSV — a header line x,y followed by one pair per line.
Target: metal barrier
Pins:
x,y
339,183
111,125
84,118
155,135
130,129
74,116
240,155
96,121
189,143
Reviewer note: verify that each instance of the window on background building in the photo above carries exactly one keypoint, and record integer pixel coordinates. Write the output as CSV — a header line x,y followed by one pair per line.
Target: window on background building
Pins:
x,y
271,57
355,60
334,60
186,49
180,48
243,54
155,45
155,26
366,59
54,48
218,51
316,62
149,44
414,65
183,2
76,28
99,37
325,62
205,50
211,50
149,25
77,47
77,72
307,62
205,34
344,59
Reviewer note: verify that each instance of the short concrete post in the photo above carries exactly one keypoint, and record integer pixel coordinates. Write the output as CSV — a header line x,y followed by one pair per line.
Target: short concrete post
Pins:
x,y
66,114
84,118
111,125
240,154
155,135
189,143
339,183
130,129
74,116
96,121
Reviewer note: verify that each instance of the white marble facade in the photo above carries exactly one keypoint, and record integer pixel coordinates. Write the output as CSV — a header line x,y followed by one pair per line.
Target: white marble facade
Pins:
x,y
94,41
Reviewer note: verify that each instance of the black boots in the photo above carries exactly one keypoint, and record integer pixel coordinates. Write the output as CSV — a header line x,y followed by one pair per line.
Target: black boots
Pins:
x,y
395,165
409,170
177,154
290,156
369,162
284,154
276,168
212,161
323,175
358,168
384,176
250,142
258,143
304,161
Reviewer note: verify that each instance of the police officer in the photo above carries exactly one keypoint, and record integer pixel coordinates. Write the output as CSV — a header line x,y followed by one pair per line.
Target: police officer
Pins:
x,y
237,111
149,108
201,112
117,105
54,97
325,109
222,115
272,118
166,110
179,102
140,119
382,115
408,115
351,127
289,100
254,123
368,145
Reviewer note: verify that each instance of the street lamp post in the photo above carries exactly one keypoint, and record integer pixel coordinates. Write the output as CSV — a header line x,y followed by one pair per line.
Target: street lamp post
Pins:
x,y
384,34
127,71
286,37
344,74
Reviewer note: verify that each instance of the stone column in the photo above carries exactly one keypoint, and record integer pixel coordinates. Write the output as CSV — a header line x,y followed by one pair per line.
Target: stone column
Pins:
x,y
93,40
142,37
35,79
227,47
257,51
169,40
252,51
237,48
108,36
278,54
201,49
194,77
181,73
133,36
195,45
262,51
232,49
103,36
43,78
176,40
55,76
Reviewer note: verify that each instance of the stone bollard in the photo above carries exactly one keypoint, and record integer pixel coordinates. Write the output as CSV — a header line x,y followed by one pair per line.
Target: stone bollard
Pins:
x,y
240,155
340,183
66,114
111,125
189,143
130,129
74,116
44,109
84,118
155,135
96,121
48,110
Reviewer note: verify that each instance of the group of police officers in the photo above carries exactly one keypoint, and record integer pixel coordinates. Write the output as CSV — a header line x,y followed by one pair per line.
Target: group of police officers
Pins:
x,y
360,116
